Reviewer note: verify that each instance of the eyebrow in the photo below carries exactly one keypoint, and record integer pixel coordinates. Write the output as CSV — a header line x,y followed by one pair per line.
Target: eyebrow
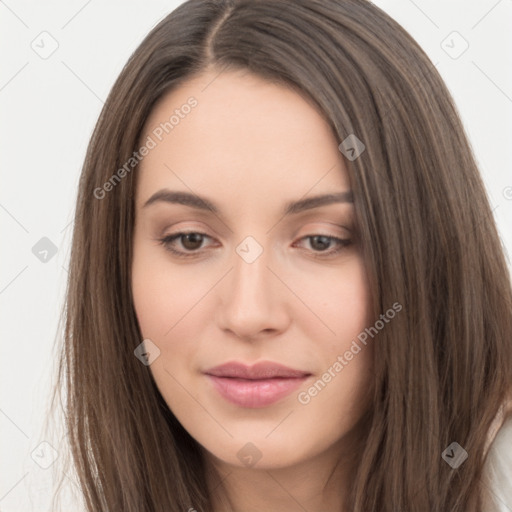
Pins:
x,y
202,203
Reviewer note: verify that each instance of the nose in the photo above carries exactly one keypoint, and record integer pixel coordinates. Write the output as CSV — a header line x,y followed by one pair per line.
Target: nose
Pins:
x,y
253,302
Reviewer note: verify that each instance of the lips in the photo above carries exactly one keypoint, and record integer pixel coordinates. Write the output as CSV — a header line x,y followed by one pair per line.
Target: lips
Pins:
x,y
259,385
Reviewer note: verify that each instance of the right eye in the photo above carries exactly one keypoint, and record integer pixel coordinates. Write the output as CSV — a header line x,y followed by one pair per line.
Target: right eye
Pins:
x,y
190,242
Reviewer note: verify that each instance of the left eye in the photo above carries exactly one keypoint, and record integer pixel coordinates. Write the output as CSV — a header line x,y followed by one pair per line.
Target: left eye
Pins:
x,y
321,243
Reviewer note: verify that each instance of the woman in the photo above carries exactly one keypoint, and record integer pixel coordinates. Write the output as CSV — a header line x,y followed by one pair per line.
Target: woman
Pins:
x,y
287,291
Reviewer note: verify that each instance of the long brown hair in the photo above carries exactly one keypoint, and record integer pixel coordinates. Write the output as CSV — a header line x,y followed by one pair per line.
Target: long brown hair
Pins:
x,y
442,368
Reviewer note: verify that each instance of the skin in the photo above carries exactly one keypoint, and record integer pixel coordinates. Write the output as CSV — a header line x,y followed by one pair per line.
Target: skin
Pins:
x,y
251,146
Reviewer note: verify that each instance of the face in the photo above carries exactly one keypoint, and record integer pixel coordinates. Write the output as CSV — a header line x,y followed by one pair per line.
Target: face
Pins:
x,y
252,291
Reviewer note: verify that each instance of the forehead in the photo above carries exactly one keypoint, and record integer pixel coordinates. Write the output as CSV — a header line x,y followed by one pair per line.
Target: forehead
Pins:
x,y
243,133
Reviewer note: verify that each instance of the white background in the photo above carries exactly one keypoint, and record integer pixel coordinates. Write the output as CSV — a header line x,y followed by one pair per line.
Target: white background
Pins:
x,y
49,108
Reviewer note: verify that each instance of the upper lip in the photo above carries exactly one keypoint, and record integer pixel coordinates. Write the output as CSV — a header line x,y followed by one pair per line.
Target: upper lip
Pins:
x,y
261,370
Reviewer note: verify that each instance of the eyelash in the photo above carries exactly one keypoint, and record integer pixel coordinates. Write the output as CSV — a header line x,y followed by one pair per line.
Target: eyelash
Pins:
x,y
167,241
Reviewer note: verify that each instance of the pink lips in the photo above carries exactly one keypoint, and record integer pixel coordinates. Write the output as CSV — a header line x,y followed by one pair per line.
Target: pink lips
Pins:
x,y
255,386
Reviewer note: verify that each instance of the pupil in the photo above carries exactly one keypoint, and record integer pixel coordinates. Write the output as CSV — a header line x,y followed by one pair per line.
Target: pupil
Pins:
x,y
192,241
324,241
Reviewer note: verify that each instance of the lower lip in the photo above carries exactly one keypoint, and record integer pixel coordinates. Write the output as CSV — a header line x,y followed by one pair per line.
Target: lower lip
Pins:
x,y
255,393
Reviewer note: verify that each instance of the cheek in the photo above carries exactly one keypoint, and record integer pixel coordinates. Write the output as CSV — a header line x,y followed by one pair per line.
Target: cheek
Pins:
x,y
162,293
338,300
163,300
341,301
171,304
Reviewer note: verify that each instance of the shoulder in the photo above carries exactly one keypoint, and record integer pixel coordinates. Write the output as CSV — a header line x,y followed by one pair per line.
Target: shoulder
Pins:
x,y
498,469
